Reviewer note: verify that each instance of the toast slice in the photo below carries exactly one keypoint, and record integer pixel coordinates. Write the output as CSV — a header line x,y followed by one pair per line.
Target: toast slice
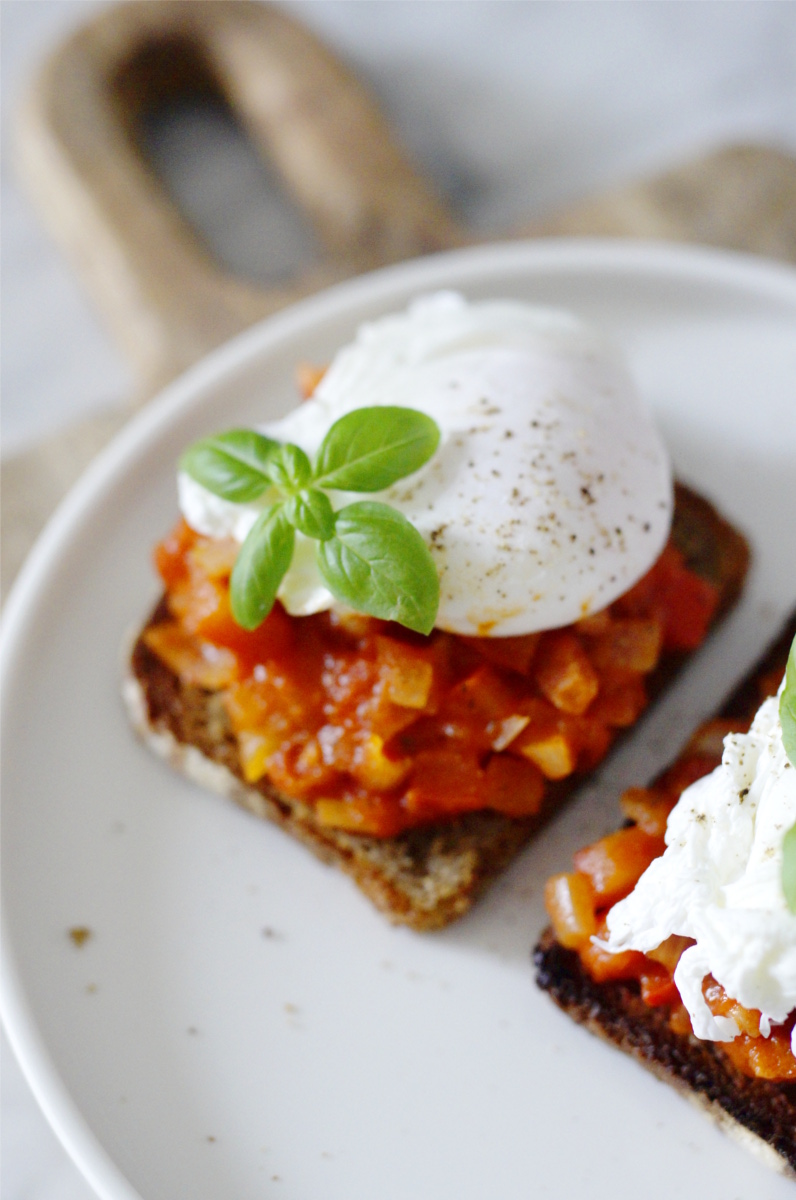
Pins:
x,y
426,876
758,1113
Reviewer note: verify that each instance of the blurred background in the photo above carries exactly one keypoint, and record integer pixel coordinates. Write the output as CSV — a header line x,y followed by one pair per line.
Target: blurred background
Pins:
x,y
512,111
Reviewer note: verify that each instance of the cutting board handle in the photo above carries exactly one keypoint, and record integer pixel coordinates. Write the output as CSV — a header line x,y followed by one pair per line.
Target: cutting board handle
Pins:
x,y
167,300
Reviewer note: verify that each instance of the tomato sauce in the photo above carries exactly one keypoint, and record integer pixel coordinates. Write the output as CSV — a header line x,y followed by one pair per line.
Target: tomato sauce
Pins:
x,y
381,729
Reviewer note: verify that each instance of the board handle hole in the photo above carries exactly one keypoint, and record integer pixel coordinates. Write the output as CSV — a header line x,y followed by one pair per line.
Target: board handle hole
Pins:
x,y
176,113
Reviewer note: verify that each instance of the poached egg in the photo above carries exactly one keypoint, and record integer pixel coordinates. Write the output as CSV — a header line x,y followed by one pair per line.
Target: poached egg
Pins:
x,y
551,491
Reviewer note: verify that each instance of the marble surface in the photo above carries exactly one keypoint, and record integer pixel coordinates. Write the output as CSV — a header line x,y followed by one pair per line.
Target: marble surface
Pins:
x,y
514,109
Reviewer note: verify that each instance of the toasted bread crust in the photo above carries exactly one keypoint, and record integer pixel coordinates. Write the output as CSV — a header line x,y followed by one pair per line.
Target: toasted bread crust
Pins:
x,y
765,1111
760,1113
425,877
428,876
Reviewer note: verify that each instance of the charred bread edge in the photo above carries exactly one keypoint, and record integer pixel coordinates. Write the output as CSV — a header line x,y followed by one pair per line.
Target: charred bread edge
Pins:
x,y
760,1114
428,876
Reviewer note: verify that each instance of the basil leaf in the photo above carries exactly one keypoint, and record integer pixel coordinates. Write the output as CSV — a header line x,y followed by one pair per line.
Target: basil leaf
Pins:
x,y
787,707
371,448
789,868
289,468
233,465
311,513
379,564
260,567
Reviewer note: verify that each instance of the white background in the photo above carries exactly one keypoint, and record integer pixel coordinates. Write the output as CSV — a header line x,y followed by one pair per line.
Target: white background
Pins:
x,y
512,108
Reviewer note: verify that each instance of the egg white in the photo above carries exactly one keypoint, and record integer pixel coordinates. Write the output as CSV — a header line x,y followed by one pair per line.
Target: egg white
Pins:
x,y
551,491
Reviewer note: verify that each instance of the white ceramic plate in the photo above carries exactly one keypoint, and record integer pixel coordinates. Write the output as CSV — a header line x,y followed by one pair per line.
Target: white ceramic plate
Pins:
x,y
242,1022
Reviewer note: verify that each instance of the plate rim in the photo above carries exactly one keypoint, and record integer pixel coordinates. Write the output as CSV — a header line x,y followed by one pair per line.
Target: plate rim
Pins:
x,y
598,256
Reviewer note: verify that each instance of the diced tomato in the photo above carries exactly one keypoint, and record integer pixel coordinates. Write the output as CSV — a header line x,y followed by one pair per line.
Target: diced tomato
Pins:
x,y
354,625
273,702
648,808
688,605
407,673
486,693
513,786
298,763
199,663
256,751
445,780
387,720
593,739
602,966
570,903
657,987
476,708
513,653
348,680
680,1021
629,644
214,557
722,1005
203,608
616,862
559,744
669,952
564,673
546,739
504,732
760,1057
359,812
763,1058
553,752
170,560
371,767
594,625
621,700
683,601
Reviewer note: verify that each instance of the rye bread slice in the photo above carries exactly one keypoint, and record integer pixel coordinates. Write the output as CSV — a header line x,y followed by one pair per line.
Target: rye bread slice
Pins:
x,y
428,876
759,1113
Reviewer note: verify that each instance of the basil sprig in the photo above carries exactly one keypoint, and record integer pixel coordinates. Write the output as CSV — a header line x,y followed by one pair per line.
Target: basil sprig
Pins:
x,y
787,707
371,557
787,717
377,553
233,464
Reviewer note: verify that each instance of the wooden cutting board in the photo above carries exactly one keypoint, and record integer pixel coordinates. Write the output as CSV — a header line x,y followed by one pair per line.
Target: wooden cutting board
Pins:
x,y
167,301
